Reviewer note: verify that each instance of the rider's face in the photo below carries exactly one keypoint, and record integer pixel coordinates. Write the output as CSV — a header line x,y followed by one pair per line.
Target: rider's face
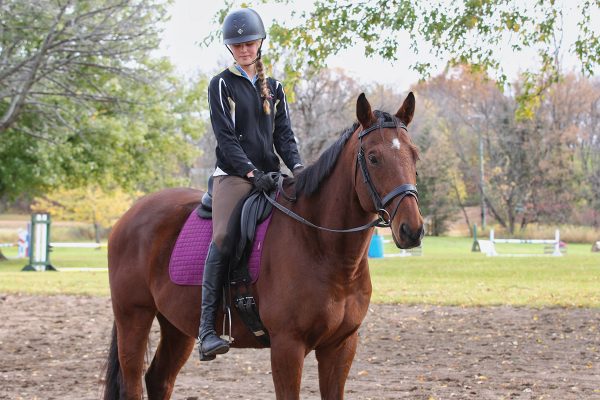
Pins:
x,y
245,53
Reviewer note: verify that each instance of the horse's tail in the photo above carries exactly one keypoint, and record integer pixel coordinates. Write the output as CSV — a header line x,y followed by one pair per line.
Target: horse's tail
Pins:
x,y
112,380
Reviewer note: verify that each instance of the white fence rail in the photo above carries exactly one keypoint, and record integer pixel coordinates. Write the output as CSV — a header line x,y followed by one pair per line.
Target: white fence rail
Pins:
x,y
489,246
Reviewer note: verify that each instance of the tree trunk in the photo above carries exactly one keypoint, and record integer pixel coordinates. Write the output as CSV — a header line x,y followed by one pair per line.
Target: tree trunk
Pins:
x,y
492,209
97,232
462,207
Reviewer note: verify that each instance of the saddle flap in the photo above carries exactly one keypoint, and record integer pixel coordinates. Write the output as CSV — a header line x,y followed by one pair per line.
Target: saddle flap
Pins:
x,y
255,210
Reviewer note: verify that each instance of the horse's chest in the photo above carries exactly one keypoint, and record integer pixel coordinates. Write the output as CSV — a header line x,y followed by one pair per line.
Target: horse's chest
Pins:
x,y
338,317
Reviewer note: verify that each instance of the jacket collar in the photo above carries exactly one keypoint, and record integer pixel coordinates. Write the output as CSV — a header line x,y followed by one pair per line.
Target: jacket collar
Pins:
x,y
234,70
237,70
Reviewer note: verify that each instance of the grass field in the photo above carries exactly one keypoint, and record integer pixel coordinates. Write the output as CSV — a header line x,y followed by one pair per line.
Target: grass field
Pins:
x,y
447,273
12,280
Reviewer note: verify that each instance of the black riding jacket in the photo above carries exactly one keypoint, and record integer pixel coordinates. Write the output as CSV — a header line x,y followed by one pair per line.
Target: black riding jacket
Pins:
x,y
247,137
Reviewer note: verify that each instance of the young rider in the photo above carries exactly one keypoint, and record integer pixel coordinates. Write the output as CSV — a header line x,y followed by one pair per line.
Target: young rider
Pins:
x,y
250,120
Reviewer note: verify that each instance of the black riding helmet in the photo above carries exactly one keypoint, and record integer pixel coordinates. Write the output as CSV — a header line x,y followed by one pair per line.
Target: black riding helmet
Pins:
x,y
242,26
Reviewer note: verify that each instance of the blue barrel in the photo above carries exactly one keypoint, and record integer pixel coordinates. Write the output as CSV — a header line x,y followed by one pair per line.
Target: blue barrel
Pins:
x,y
376,246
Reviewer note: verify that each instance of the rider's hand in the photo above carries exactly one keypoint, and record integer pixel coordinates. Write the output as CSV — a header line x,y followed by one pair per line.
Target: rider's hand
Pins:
x,y
262,181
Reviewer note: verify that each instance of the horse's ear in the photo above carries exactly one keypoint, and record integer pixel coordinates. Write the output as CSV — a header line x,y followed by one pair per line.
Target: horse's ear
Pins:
x,y
363,111
407,109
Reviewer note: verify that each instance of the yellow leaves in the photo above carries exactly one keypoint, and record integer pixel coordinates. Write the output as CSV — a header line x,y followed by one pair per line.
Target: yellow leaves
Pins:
x,y
511,23
528,106
471,21
90,204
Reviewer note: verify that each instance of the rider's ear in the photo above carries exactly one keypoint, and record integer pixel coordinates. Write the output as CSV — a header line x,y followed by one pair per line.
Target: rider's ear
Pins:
x,y
363,111
407,109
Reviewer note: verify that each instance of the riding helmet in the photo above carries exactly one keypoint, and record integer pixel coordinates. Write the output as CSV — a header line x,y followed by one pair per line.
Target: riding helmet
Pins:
x,y
242,26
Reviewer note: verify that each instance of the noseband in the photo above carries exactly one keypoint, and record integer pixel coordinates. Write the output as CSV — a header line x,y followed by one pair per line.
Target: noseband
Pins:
x,y
406,189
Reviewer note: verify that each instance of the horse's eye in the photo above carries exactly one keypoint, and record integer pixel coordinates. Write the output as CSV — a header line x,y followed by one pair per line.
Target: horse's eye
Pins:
x,y
373,159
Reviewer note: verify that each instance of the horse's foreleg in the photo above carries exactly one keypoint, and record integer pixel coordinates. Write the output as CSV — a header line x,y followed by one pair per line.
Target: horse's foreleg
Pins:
x,y
133,328
287,360
334,365
173,351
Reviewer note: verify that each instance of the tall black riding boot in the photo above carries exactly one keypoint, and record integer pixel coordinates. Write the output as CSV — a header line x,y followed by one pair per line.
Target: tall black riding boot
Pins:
x,y
215,269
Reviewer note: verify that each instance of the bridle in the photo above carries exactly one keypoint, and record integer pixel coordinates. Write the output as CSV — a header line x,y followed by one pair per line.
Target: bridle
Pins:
x,y
406,189
384,218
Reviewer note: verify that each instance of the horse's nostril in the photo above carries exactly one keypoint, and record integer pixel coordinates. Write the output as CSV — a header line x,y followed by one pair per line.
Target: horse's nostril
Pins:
x,y
417,235
404,229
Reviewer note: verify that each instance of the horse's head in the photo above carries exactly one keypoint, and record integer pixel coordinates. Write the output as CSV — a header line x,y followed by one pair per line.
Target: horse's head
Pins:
x,y
387,163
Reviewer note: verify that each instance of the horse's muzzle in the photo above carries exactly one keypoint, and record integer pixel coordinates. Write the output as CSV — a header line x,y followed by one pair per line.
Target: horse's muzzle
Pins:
x,y
409,238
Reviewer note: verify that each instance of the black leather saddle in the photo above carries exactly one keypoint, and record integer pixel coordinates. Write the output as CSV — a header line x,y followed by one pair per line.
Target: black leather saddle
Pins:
x,y
253,210
205,208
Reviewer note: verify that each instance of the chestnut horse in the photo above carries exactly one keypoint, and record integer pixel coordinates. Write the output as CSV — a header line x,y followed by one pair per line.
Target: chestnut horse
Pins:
x,y
314,286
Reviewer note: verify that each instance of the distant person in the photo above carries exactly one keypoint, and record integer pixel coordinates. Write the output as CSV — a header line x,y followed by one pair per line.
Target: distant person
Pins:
x,y
250,119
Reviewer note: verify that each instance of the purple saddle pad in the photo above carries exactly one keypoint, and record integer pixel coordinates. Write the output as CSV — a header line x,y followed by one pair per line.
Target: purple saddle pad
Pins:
x,y
187,260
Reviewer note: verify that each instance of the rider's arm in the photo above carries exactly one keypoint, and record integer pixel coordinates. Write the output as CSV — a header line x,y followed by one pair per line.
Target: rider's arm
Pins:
x,y
221,118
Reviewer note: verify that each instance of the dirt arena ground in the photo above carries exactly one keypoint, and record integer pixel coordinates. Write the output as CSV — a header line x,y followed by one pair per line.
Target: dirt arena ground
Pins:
x,y
54,348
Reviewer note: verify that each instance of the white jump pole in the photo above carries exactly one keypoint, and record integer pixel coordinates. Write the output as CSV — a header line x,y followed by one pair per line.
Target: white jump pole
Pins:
x,y
76,245
557,244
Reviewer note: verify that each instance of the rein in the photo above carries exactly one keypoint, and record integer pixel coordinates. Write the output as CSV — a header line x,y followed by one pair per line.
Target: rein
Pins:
x,y
378,222
384,218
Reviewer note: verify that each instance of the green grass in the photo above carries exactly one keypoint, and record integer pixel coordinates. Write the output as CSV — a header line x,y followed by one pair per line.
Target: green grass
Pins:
x,y
94,283
447,273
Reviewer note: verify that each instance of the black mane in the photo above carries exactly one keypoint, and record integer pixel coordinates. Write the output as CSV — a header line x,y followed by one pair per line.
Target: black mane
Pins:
x,y
309,180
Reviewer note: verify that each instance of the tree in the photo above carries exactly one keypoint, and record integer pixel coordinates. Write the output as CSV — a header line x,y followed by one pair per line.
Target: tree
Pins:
x,y
465,103
460,32
90,204
52,51
571,112
476,113
146,145
324,105
535,170
82,101
439,191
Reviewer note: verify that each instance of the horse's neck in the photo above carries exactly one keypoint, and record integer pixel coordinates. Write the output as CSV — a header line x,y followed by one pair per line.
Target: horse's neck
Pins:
x,y
336,205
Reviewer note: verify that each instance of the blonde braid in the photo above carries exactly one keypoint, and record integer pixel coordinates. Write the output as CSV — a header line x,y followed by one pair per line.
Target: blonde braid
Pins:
x,y
260,70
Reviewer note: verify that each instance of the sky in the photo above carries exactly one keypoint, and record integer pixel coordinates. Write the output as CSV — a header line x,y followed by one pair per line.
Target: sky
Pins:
x,y
191,21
